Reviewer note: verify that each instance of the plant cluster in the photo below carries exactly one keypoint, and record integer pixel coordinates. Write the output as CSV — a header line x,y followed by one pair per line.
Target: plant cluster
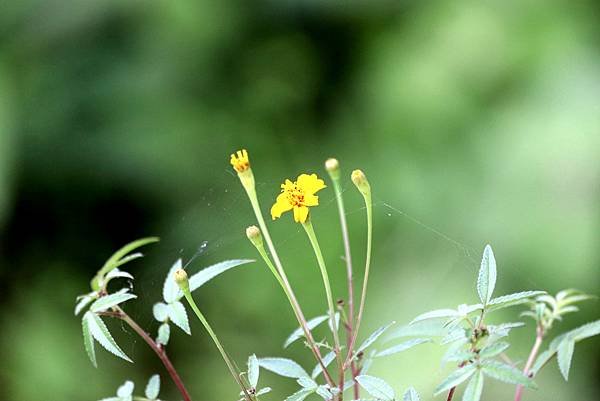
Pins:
x,y
475,346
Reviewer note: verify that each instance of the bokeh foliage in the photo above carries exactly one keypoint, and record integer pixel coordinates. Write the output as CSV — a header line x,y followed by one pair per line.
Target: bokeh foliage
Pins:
x,y
476,122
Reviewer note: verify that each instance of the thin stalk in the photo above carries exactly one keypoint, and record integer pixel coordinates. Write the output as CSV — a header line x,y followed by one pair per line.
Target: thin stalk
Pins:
x,y
348,258
308,227
369,207
451,394
217,342
288,288
158,349
534,351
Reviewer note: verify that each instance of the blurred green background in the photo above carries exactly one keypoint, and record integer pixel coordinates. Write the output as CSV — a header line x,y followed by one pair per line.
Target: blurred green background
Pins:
x,y
476,122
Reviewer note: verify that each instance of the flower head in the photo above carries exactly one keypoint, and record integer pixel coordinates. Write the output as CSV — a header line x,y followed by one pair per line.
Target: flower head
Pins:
x,y
360,181
298,195
240,161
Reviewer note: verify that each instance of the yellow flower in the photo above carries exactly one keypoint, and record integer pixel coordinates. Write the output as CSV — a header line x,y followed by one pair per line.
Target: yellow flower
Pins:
x,y
298,195
240,161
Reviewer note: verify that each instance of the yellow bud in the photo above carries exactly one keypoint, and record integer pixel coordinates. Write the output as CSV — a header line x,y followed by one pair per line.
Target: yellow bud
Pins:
x,y
181,278
254,235
360,180
333,168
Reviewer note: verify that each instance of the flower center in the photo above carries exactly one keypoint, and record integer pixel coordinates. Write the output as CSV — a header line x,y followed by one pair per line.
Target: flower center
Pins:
x,y
295,196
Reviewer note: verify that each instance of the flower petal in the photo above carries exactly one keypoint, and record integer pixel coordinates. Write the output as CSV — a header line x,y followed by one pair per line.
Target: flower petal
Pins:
x,y
300,214
310,184
311,200
281,205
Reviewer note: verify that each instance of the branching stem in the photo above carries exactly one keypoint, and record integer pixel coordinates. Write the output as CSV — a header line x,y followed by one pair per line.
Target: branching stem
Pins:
x,y
539,338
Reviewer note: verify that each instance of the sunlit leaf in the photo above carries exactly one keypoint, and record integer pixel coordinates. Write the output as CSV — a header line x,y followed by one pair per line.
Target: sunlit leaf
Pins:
x,y
204,275
300,395
474,388
436,314
377,387
327,359
171,289
455,378
486,280
565,356
283,367
178,316
411,395
111,300
100,332
153,387
403,346
85,301
88,340
253,370
373,337
164,332
506,373
126,389
299,332
160,311
490,351
506,301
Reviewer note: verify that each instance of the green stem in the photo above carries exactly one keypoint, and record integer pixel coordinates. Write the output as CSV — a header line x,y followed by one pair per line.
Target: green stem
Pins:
x,y
369,207
215,339
281,277
308,227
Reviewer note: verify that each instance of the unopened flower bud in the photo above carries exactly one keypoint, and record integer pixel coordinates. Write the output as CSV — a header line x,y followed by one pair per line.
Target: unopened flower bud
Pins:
x,y
360,180
254,235
181,278
333,168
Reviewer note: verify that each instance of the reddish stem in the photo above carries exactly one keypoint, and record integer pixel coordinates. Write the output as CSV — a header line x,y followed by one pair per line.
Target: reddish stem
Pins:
x,y
160,352
534,350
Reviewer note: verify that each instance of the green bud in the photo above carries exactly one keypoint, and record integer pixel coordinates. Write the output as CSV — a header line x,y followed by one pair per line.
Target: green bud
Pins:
x,y
360,180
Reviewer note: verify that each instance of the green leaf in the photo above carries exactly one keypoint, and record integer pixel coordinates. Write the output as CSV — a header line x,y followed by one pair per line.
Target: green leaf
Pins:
x,y
486,281
111,300
565,356
432,328
88,340
436,314
490,351
506,373
283,367
411,395
126,389
178,316
164,332
84,301
307,382
114,261
171,289
587,330
325,393
116,273
153,387
204,275
455,378
403,346
100,332
299,332
503,329
253,370
377,387
327,359
264,390
160,312
541,360
510,300
372,338
300,395
474,388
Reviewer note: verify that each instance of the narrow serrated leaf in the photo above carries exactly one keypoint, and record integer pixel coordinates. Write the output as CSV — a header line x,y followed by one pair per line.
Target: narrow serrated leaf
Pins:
x,y
153,387
253,370
411,395
111,300
178,315
307,382
116,273
377,387
324,393
565,356
506,301
436,314
490,351
264,390
170,288
299,332
403,346
587,330
206,274
474,388
455,378
373,337
283,367
506,373
327,359
83,302
541,360
486,280
100,332
300,395
88,341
